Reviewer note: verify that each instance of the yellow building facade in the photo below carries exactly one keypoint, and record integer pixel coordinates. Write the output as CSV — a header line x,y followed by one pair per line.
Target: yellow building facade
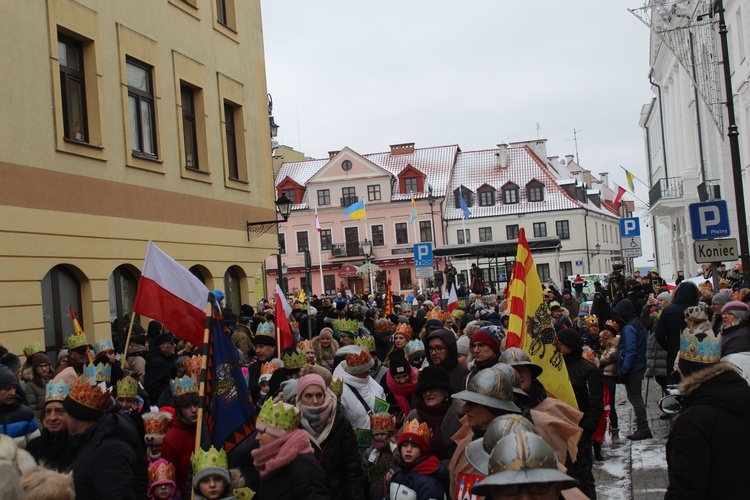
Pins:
x,y
124,122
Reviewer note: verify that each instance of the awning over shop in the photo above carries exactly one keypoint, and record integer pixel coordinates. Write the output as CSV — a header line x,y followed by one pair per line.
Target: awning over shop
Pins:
x,y
504,249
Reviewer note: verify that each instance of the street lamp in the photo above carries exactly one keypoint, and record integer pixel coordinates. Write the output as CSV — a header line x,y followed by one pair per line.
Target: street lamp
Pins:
x,y
367,250
598,248
283,208
272,124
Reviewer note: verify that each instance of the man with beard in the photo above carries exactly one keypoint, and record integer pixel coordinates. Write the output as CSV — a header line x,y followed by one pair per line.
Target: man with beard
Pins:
x,y
443,351
53,446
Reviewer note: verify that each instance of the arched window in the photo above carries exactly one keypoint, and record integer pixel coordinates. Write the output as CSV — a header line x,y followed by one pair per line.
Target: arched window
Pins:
x,y
198,273
510,193
535,191
60,290
123,285
232,290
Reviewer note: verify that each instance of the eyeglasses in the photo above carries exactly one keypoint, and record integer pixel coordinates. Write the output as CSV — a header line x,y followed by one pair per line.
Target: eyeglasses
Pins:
x,y
436,349
532,488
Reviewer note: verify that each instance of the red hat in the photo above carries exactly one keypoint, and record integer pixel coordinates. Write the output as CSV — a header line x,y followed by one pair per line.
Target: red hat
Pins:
x,y
492,336
416,433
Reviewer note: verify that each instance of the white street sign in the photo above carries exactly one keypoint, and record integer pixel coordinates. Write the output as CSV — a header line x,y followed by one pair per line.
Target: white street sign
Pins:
x,y
630,253
424,272
631,242
715,250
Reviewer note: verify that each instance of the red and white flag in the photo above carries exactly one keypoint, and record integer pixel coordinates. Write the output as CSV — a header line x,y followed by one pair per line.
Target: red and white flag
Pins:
x,y
283,330
169,293
452,299
317,221
618,195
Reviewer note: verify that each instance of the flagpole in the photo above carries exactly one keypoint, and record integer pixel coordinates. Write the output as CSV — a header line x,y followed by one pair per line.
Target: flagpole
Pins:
x,y
204,365
127,341
466,261
634,176
320,258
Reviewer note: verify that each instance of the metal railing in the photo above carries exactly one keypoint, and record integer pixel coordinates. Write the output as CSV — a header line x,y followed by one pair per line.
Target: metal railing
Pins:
x,y
665,189
709,190
346,250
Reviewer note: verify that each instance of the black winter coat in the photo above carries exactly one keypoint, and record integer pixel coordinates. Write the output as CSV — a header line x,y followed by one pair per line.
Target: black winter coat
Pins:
x,y
157,374
707,448
110,461
340,459
672,320
53,450
587,386
735,339
302,479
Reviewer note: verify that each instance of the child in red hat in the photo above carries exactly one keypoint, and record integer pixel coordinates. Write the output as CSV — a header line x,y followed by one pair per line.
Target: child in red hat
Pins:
x,y
420,475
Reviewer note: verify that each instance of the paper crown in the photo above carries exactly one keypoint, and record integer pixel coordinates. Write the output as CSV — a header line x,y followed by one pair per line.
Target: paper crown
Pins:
x,y
279,415
160,471
56,391
458,313
353,360
435,314
212,457
127,388
183,386
367,343
346,325
243,493
611,325
384,325
89,393
382,422
418,429
404,328
192,366
99,373
294,361
32,349
461,304
265,329
707,350
337,386
103,345
268,368
156,423
305,345
75,341
414,346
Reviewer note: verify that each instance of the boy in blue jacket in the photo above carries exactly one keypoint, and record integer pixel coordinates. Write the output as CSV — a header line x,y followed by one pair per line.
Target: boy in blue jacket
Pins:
x,y
421,476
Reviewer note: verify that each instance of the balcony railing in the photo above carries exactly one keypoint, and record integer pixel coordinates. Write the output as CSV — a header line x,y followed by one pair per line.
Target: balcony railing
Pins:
x,y
709,190
344,250
348,200
665,189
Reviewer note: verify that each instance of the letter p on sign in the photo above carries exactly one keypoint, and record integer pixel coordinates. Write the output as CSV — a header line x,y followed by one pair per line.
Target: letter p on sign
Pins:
x,y
709,220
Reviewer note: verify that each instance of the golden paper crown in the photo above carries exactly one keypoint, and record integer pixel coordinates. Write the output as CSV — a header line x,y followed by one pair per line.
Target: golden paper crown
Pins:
x,y
90,394
75,341
127,388
99,373
157,423
279,415
160,471
294,361
461,304
32,349
367,343
193,366
294,325
614,326
420,429
435,314
346,325
337,386
305,345
209,458
382,422
362,358
184,385
243,493
384,325
56,391
268,368
404,328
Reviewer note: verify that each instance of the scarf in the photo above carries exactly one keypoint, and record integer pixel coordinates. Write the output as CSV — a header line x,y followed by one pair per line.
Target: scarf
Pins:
x,y
317,419
434,416
402,392
423,465
271,458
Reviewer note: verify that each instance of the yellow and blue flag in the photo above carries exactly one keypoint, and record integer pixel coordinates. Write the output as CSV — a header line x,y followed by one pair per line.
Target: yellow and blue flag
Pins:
x,y
356,210
413,210
631,178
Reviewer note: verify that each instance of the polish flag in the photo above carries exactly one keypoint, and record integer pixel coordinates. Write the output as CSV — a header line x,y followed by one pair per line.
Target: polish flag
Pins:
x,y
452,300
317,221
283,330
169,293
618,195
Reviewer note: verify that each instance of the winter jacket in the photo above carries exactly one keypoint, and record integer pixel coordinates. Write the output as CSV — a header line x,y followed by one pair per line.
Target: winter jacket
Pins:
x,y
456,371
424,479
53,450
587,385
707,448
35,396
325,357
17,421
448,427
656,358
137,361
179,443
339,456
735,339
110,461
572,305
631,349
378,489
608,358
672,320
356,413
303,479
459,464
157,374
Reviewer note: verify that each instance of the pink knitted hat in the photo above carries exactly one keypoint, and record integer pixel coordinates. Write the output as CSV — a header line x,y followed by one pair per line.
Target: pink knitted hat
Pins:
x,y
308,380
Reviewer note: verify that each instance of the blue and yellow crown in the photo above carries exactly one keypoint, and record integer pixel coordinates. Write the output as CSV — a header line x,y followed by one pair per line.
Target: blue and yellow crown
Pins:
x,y
56,391
98,373
414,346
183,386
293,361
103,345
707,350
265,329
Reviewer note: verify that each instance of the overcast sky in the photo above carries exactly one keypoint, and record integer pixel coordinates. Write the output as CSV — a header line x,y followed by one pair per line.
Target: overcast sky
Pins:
x,y
469,72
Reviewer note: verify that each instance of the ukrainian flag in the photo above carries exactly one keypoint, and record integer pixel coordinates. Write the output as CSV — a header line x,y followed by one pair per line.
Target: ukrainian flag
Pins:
x,y
356,210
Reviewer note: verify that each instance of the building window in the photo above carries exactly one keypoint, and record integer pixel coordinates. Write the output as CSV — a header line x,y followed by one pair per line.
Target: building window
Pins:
x,y
467,195
232,163
485,234
404,278
329,283
535,191
303,243
563,230
486,198
402,233
189,128
378,236
73,89
324,197
373,192
411,185
540,229
566,269
543,271
425,231
232,289
510,195
348,196
141,108
290,194
464,236
511,232
351,238
326,241
60,291
225,14
123,287
282,243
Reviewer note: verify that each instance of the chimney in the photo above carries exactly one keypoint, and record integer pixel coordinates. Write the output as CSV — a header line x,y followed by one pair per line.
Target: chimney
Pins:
x,y
604,176
406,148
570,189
502,155
594,197
569,158
332,154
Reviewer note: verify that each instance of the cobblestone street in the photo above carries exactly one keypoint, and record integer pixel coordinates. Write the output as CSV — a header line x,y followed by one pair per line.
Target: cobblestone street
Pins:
x,y
634,469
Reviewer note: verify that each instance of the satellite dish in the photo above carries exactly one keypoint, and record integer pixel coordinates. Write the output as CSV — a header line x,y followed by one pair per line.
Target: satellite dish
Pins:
x,y
562,161
346,165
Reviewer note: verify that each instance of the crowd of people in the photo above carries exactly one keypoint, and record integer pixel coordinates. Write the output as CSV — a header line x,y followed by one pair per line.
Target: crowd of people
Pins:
x,y
421,403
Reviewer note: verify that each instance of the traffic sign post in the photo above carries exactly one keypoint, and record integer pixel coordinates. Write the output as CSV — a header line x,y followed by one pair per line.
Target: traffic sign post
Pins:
x,y
423,260
709,220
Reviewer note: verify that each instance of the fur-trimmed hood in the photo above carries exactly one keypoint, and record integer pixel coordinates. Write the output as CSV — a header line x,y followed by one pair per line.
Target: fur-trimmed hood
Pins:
x,y
718,385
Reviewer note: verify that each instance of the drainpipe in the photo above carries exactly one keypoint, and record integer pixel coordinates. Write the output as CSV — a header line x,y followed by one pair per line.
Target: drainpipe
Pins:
x,y
586,226
661,121
650,172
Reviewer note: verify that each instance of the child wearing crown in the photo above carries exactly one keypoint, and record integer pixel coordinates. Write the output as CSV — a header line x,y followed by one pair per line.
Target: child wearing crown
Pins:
x,y
377,461
161,484
420,475
211,479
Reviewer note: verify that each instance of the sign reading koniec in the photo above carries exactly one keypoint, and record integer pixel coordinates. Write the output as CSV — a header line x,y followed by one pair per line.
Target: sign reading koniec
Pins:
x,y
715,250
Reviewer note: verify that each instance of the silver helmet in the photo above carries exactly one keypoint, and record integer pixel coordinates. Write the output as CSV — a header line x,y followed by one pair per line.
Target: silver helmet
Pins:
x,y
478,451
518,357
515,379
521,458
491,388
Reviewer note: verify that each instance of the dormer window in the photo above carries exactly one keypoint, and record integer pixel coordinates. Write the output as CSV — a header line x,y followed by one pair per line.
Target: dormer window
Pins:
x,y
510,194
486,195
291,194
468,196
411,185
535,191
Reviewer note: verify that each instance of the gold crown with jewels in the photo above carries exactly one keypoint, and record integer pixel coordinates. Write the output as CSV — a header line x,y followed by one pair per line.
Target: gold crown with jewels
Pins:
x,y
294,361
279,415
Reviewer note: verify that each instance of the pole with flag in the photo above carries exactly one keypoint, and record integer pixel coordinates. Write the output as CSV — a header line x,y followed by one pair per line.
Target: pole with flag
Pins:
x,y
388,308
467,214
530,326
412,221
618,195
452,300
283,329
320,258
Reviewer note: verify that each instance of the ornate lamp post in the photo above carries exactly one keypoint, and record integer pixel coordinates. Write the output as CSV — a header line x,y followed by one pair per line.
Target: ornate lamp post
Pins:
x,y
367,250
255,229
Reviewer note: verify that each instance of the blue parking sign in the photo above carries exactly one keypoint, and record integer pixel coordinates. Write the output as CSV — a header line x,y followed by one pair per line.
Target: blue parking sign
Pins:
x,y
630,227
423,254
709,220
